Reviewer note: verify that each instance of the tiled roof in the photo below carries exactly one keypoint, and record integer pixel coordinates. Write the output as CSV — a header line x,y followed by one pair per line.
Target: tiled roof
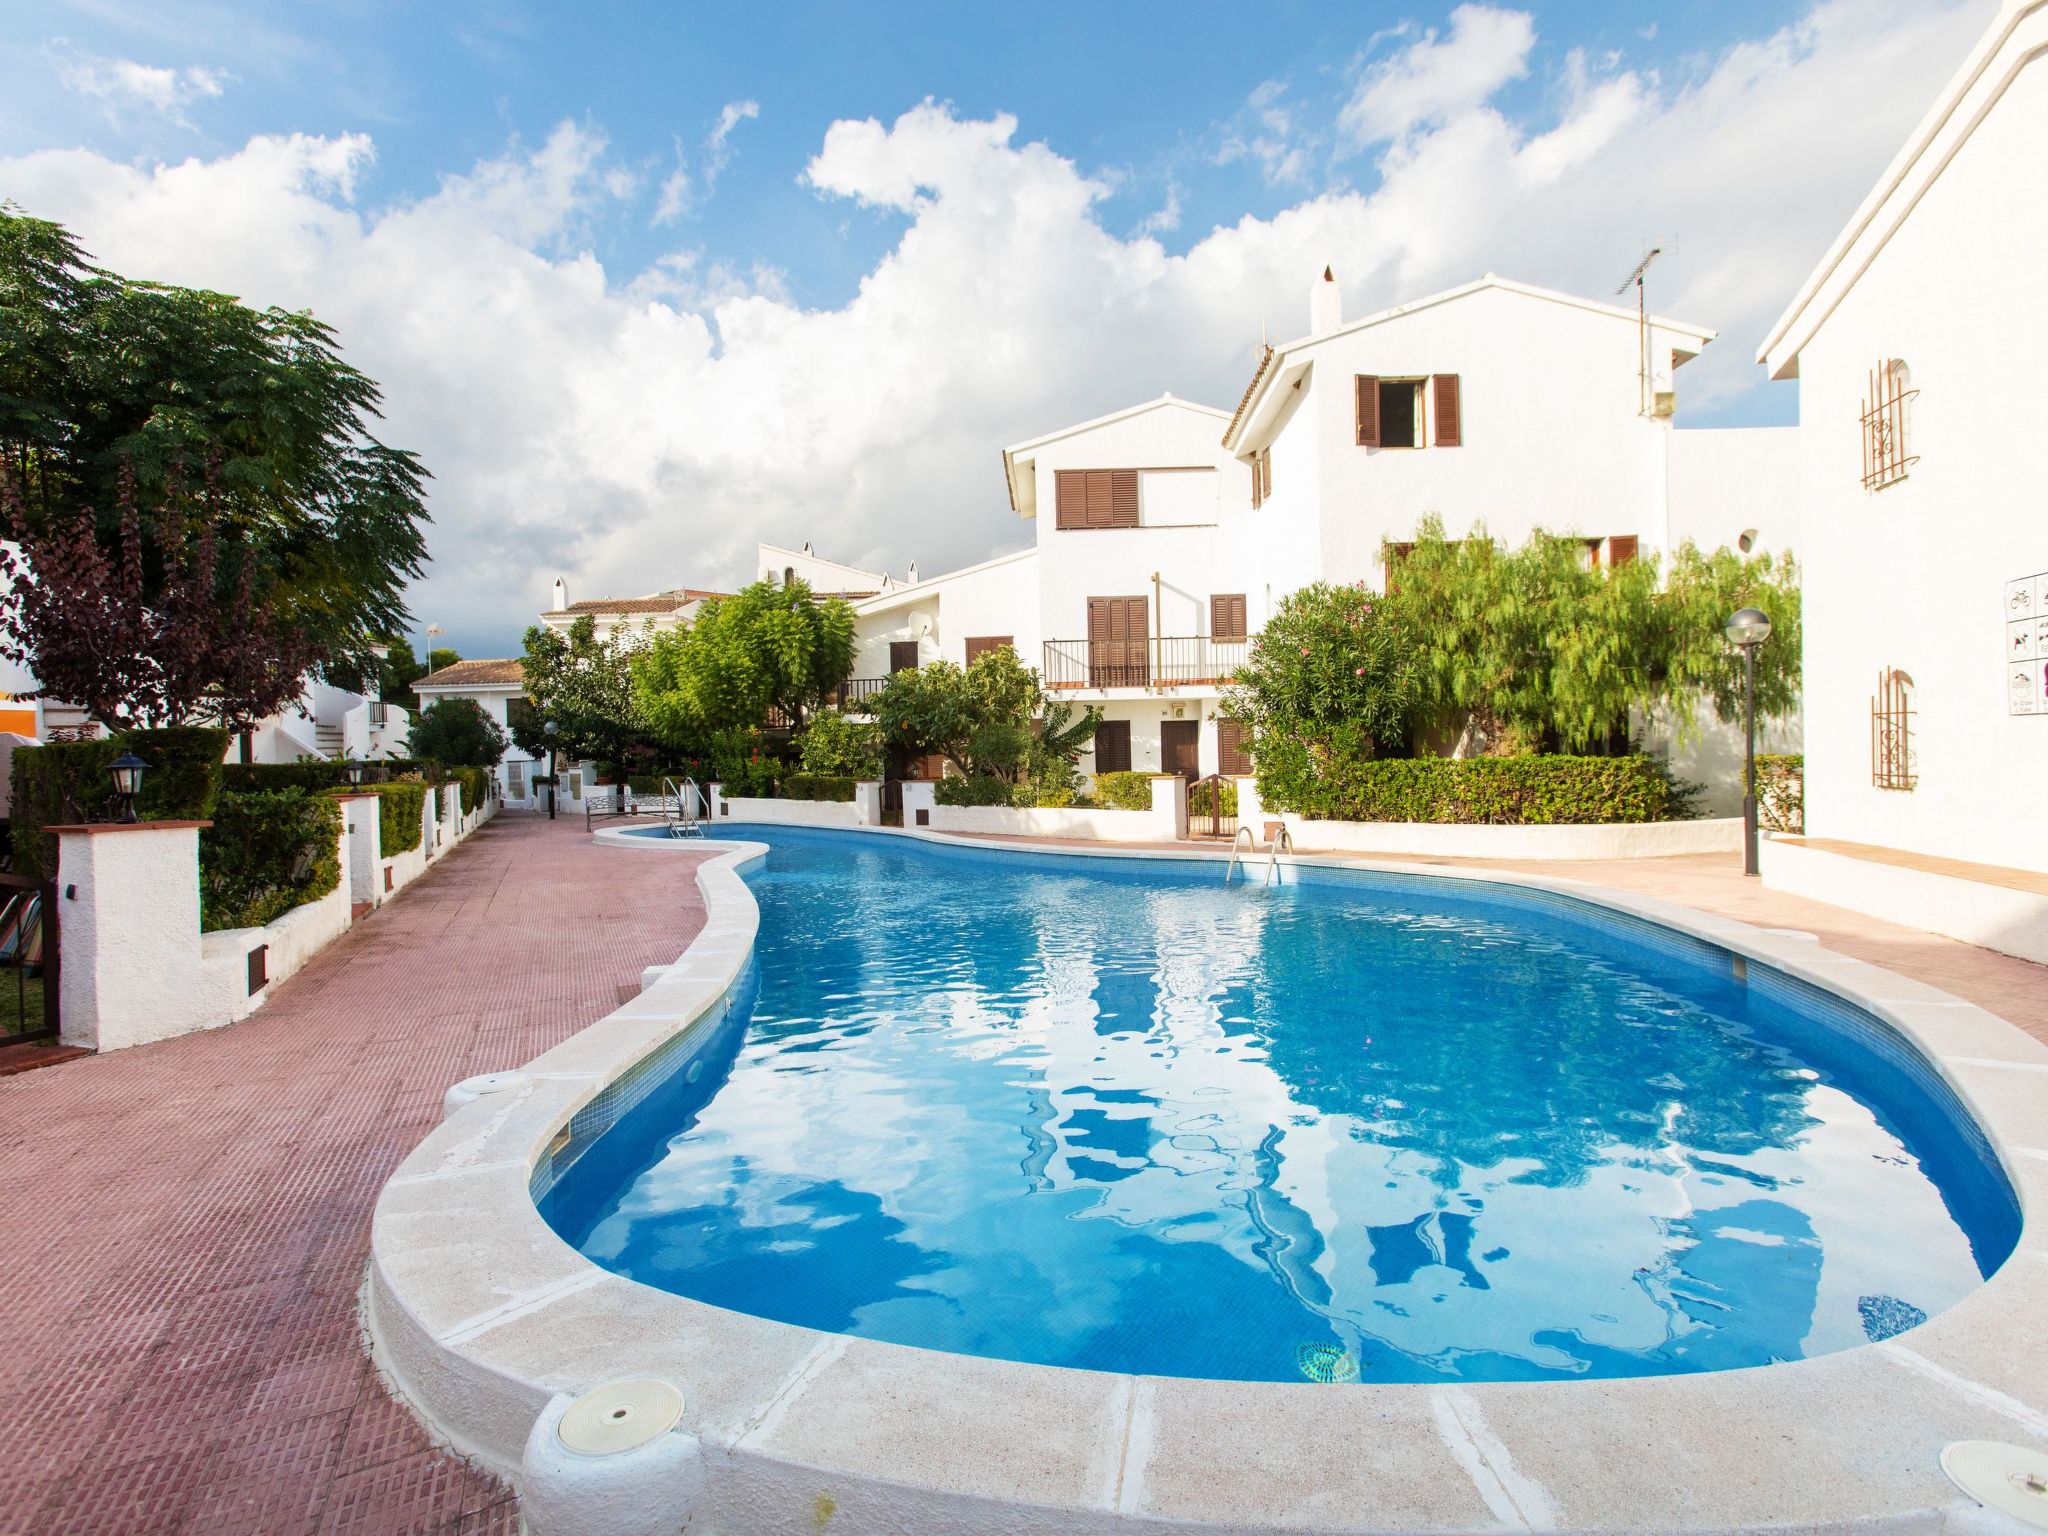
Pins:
x,y
1258,373
655,602
473,674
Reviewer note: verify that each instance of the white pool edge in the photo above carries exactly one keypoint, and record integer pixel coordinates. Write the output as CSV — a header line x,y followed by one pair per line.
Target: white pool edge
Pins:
x,y
479,1314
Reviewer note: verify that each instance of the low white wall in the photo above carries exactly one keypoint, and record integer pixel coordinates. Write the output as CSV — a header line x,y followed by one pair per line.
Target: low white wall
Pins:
x,y
1643,840
1997,917
790,813
1045,821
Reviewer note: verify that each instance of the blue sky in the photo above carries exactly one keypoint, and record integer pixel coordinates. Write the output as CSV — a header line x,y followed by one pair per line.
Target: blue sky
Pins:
x,y
645,283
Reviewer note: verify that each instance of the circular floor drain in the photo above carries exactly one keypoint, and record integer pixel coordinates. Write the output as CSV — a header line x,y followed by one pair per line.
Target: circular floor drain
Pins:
x,y
2008,1478
1326,1363
620,1416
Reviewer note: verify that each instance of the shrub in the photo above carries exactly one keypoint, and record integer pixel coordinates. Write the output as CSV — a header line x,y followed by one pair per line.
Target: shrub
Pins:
x,y
475,784
457,733
401,819
312,773
67,782
268,851
979,789
1202,799
1500,791
1335,664
1124,791
740,764
837,747
1050,797
1781,791
817,786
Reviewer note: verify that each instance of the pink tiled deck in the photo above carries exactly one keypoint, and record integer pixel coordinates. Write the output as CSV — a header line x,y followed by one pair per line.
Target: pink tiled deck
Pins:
x,y
183,1226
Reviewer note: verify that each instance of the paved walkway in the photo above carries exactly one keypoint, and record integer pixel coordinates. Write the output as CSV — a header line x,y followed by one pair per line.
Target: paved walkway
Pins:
x,y
183,1226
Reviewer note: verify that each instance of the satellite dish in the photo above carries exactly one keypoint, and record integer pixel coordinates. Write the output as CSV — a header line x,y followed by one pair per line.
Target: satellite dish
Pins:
x,y
922,624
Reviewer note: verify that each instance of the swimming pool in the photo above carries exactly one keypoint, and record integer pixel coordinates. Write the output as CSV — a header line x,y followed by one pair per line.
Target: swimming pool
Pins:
x,y
1113,1114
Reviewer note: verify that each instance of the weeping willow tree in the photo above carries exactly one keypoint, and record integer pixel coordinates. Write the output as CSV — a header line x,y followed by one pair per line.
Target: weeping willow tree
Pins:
x,y
1538,648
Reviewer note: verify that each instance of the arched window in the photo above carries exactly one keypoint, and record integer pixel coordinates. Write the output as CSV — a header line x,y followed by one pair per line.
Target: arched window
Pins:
x,y
1747,543
1892,763
1887,425
789,575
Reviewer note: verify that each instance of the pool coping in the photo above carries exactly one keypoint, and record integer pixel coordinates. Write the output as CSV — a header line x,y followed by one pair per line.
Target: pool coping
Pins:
x,y
479,1315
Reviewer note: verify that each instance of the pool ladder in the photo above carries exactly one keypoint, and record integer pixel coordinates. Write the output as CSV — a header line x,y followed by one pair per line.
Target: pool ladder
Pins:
x,y
679,804
1281,839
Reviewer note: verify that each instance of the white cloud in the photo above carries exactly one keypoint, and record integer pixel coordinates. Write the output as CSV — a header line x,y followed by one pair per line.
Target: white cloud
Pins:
x,y
717,151
1432,80
1265,131
635,429
123,85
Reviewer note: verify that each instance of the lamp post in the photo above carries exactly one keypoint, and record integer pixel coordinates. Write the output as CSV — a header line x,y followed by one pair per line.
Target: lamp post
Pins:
x,y
127,772
355,775
552,775
1747,629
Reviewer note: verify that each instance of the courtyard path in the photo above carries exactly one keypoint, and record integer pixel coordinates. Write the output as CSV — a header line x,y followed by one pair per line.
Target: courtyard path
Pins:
x,y
183,1226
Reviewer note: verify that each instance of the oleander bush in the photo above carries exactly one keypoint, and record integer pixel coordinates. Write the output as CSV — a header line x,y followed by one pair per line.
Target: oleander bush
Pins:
x,y
67,782
817,786
1781,791
268,851
1124,791
1495,791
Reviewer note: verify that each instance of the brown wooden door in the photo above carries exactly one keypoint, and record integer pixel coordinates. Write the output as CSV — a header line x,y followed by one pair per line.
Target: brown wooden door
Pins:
x,y
1117,643
1180,748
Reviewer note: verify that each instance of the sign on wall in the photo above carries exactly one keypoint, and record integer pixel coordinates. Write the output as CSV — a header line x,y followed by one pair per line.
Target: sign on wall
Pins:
x,y
2026,645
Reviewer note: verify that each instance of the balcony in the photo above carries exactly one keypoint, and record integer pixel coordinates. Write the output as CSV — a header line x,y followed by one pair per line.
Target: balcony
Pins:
x,y
857,690
1160,662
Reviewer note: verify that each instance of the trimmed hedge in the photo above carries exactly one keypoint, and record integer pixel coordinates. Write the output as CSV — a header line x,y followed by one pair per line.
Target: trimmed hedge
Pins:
x,y
817,786
475,784
67,782
313,773
401,819
1494,791
268,851
1781,791
1124,791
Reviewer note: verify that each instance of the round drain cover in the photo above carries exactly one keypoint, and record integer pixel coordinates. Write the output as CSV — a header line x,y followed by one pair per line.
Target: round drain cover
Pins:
x,y
2008,1478
620,1416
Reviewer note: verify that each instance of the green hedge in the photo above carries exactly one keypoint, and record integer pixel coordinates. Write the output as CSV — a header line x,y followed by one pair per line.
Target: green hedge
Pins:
x,y
476,787
1498,791
315,773
401,818
1124,791
268,851
817,786
981,789
1781,791
67,782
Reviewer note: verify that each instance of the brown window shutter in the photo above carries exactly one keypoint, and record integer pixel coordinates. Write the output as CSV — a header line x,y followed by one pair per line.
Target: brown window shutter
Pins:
x,y
1226,616
1113,746
1621,548
1071,493
1368,411
902,656
1258,483
1231,757
981,645
1123,498
1449,425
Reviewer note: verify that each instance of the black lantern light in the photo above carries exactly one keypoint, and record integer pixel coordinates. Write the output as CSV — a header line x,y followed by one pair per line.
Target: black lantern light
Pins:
x,y
355,775
1747,629
127,770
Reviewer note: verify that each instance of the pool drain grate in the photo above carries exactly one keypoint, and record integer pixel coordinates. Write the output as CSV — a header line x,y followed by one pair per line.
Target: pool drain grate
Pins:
x,y
1326,1363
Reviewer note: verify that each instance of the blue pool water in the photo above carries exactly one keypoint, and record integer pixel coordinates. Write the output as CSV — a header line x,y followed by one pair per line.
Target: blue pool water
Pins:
x,y
1116,1115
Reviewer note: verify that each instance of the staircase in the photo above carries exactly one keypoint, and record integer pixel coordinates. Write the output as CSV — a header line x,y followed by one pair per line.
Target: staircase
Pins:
x,y
61,721
327,740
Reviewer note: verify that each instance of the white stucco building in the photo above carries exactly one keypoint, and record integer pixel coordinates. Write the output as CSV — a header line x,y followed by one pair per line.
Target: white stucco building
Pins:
x,y
1918,344
495,686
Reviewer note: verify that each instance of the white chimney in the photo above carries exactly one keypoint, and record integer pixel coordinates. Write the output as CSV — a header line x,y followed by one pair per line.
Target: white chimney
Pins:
x,y
913,573
561,594
1325,305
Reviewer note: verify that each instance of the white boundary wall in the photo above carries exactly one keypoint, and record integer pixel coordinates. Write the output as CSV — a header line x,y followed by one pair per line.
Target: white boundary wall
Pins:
x,y
2013,922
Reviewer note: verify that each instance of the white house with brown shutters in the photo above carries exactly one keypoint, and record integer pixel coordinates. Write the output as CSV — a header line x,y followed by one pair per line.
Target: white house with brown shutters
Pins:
x,y
1917,343
1142,522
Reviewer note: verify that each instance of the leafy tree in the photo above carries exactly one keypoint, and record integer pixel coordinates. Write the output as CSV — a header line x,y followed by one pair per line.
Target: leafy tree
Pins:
x,y
442,656
457,734
585,686
981,718
1700,593
764,650
841,747
1334,675
101,376
130,651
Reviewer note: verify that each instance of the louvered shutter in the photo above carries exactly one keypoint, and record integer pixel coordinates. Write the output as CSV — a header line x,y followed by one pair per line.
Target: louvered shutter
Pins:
x,y
1113,746
1621,548
1368,411
1231,757
1071,494
1449,424
981,645
1227,616
1123,498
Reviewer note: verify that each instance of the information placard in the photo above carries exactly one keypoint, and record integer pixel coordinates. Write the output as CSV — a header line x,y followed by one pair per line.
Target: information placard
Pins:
x,y
2026,645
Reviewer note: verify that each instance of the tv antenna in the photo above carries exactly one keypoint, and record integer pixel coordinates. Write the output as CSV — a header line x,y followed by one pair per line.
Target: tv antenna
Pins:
x,y
1642,327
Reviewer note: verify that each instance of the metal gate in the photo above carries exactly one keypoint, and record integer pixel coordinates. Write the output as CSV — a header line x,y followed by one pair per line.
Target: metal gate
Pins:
x,y
28,959
1212,807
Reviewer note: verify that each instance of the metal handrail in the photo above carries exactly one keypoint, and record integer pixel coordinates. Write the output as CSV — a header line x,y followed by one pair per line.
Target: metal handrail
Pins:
x,y
1157,661
1281,838
1244,832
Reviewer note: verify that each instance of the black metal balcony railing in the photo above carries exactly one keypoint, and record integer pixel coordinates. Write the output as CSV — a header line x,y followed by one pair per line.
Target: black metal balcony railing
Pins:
x,y
1167,661
855,689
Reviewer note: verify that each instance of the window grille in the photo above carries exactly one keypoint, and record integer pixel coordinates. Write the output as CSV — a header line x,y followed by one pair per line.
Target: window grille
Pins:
x,y
1891,732
1885,414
